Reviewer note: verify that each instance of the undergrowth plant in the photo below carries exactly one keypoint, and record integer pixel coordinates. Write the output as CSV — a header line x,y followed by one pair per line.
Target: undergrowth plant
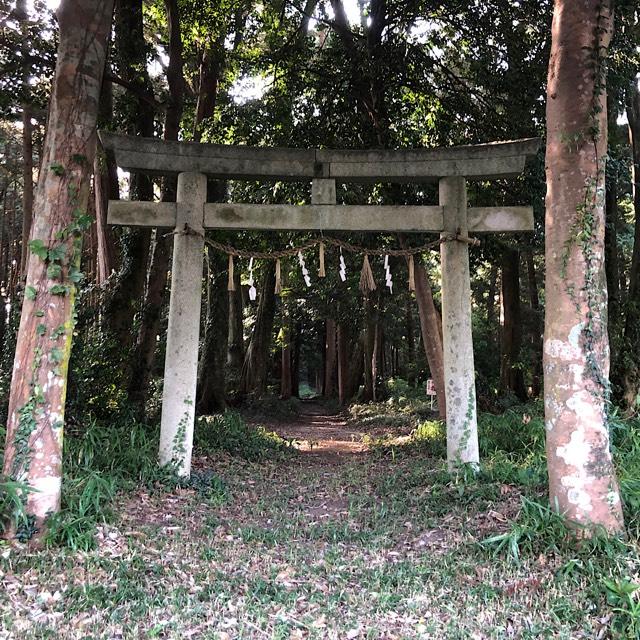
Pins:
x,y
229,432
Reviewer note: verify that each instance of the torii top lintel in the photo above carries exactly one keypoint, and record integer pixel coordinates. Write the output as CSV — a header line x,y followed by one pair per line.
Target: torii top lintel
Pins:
x,y
474,162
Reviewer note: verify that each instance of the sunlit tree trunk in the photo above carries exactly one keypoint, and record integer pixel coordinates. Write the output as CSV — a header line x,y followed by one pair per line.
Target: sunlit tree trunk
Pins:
x,y
33,451
582,483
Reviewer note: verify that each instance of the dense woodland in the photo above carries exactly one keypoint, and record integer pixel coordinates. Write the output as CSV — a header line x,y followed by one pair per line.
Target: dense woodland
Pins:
x,y
317,73
409,74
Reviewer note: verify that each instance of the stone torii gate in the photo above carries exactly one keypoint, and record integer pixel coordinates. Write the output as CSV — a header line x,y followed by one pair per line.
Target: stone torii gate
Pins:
x,y
191,215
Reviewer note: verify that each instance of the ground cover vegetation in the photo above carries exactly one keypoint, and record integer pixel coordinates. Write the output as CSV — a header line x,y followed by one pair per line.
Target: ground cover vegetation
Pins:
x,y
319,503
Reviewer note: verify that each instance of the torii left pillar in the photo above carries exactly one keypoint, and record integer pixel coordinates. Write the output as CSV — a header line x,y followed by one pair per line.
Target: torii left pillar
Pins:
x,y
183,333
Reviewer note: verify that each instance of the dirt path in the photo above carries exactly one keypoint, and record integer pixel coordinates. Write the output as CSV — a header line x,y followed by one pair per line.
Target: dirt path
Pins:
x,y
321,434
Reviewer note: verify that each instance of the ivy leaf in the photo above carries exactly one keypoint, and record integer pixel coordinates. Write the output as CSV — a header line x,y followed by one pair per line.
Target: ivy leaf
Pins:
x,y
38,248
58,290
56,355
54,271
75,275
41,329
30,292
57,253
57,169
39,313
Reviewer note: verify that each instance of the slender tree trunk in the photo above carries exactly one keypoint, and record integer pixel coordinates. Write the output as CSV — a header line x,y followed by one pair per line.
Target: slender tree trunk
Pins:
x,y
341,349
285,369
430,326
254,369
582,483
105,188
235,353
369,346
330,362
511,375
411,343
295,365
536,326
33,452
491,300
630,362
27,184
211,375
356,368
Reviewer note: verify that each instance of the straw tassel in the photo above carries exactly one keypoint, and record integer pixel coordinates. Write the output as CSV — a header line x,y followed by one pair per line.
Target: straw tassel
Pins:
x,y
367,283
278,288
321,271
412,275
231,285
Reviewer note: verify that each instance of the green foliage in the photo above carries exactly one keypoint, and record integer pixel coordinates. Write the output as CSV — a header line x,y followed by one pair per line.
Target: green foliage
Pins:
x,y
12,504
538,529
230,433
622,595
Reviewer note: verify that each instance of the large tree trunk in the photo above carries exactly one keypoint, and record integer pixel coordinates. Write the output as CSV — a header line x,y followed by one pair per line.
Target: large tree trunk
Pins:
x,y
511,375
430,326
33,452
254,369
582,483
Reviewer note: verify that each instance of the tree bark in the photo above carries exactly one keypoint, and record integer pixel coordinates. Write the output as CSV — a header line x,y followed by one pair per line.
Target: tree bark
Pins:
x,y
430,327
582,482
511,375
33,452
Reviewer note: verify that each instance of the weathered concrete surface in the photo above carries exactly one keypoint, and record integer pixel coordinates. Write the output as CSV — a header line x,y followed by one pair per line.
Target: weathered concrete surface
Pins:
x,y
323,191
500,219
134,213
181,363
155,156
342,217
322,217
459,374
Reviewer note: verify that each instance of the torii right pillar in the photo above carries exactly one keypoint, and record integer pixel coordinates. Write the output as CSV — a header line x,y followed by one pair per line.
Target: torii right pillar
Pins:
x,y
459,372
